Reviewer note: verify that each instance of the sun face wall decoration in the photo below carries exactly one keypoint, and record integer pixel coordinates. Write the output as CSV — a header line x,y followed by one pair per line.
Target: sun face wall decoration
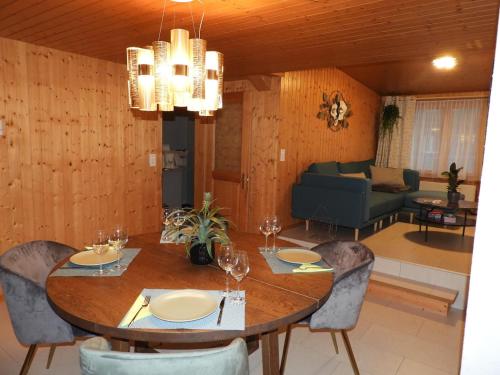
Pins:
x,y
335,110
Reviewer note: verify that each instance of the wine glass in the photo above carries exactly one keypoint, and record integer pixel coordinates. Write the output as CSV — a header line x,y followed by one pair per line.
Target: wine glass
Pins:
x,y
167,221
178,218
275,228
118,239
239,271
100,247
226,260
266,229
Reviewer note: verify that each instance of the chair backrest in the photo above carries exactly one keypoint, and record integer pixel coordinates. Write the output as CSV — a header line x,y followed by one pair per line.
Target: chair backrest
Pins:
x,y
96,358
23,275
352,263
34,260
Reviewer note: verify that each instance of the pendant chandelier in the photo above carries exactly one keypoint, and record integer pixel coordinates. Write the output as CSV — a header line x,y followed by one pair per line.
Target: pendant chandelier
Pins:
x,y
179,73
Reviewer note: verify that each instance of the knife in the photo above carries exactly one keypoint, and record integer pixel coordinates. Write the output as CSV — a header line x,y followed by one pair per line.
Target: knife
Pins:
x,y
221,307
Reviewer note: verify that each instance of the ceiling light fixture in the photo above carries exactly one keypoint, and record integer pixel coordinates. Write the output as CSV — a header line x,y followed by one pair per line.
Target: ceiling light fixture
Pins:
x,y
179,73
445,62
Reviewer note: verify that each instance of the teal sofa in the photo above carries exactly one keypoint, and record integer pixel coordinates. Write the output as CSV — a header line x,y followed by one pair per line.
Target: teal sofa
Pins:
x,y
323,194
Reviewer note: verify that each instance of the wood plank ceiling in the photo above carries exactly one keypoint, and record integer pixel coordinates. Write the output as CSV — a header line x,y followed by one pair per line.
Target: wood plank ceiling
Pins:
x,y
386,44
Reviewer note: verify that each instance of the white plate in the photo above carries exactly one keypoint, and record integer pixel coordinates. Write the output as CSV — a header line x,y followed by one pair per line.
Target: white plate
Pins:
x,y
89,258
183,305
298,256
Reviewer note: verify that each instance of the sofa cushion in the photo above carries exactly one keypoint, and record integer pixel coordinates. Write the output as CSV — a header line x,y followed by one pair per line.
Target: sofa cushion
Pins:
x,y
329,168
356,167
384,203
353,175
387,176
391,188
408,202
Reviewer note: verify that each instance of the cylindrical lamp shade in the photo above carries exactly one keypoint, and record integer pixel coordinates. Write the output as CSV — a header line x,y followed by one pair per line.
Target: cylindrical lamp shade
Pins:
x,y
211,81
206,113
132,68
197,50
179,40
220,77
146,80
163,76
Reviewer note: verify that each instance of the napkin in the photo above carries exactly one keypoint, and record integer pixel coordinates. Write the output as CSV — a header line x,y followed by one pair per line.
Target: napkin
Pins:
x,y
306,267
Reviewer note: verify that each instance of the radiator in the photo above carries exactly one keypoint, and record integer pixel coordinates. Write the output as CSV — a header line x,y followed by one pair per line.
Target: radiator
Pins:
x,y
468,190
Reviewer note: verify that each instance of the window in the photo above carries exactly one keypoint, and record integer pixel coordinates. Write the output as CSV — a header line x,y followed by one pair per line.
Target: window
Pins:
x,y
447,131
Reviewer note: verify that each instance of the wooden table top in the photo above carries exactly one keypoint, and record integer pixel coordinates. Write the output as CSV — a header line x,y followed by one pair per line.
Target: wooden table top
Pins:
x,y
98,304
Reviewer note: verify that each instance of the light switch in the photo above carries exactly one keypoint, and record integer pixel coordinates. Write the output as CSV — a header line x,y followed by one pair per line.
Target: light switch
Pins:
x,y
282,154
2,127
152,160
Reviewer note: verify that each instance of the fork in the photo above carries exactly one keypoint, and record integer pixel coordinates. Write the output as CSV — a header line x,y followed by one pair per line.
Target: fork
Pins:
x,y
145,303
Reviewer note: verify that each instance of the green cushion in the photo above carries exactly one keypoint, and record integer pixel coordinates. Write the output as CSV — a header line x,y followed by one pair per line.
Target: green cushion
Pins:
x,y
422,194
385,203
356,167
329,168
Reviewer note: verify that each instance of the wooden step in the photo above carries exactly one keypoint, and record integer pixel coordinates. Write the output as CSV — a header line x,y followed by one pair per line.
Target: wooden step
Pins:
x,y
422,295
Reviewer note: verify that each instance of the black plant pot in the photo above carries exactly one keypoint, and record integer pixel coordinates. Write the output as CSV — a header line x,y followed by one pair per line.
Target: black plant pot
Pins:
x,y
199,254
454,197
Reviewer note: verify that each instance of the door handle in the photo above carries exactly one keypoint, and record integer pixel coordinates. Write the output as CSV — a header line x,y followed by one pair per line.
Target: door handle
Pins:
x,y
244,181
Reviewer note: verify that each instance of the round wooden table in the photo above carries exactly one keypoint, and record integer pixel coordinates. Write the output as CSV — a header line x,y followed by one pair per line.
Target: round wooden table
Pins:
x,y
98,304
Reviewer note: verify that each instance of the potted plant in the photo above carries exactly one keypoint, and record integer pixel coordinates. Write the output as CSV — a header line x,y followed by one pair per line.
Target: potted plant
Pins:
x,y
453,183
390,117
200,230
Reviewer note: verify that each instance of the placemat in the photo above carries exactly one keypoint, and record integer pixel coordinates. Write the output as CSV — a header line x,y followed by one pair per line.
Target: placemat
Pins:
x,y
280,267
233,317
70,269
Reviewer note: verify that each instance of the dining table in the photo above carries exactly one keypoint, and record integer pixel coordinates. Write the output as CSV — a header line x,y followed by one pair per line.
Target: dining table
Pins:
x,y
273,301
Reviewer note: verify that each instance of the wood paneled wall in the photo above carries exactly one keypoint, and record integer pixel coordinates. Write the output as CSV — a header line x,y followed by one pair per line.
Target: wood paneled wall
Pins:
x,y
284,117
307,139
74,157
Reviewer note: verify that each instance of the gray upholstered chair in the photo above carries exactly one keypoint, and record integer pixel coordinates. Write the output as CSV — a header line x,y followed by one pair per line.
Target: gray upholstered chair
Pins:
x,y
97,359
352,263
23,275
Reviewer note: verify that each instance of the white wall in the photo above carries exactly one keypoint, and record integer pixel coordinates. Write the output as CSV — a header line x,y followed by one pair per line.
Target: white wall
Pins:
x,y
481,353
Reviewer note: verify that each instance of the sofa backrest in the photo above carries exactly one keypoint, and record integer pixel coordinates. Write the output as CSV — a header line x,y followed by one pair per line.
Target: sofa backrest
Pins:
x,y
412,178
330,168
356,167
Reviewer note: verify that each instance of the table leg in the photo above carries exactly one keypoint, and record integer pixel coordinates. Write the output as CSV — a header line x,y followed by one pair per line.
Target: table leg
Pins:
x,y
465,222
120,345
420,221
270,353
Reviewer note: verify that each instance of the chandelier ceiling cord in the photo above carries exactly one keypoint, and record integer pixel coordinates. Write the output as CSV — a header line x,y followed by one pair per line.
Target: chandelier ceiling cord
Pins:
x,y
179,73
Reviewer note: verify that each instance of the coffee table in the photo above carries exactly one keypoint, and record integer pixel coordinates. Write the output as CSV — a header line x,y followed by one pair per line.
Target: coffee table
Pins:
x,y
427,204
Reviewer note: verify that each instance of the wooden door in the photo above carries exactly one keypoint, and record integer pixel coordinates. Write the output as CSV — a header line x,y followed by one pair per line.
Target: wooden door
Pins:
x,y
223,160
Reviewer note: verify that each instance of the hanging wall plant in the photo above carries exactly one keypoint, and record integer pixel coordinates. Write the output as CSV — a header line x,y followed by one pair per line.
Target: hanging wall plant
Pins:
x,y
335,110
390,117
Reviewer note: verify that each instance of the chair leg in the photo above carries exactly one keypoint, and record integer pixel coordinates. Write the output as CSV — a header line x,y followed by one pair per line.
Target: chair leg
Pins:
x,y
285,349
28,359
335,342
356,234
307,225
350,352
51,355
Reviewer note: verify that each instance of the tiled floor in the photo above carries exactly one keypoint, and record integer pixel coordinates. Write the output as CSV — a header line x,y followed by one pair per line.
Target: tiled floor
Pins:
x,y
388,340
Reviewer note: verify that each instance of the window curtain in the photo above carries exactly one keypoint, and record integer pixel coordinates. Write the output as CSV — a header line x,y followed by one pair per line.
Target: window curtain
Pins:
x,y
447,131
394,151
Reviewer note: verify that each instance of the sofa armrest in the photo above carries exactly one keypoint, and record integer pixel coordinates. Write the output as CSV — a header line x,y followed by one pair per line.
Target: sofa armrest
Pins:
x,y
412,178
